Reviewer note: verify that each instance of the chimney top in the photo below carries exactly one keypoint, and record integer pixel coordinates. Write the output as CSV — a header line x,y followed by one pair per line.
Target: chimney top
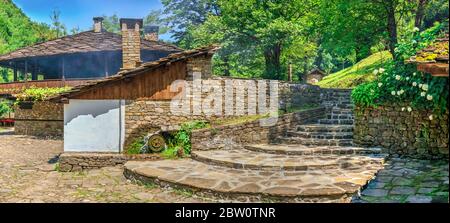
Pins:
x,y
131,23
98,26
151,32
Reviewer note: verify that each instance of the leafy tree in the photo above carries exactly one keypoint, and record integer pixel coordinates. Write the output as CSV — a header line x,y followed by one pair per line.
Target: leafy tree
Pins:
x,y
111,23
58,26
184,14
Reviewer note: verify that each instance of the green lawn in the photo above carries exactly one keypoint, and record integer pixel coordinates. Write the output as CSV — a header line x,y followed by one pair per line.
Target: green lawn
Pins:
x,y
357,74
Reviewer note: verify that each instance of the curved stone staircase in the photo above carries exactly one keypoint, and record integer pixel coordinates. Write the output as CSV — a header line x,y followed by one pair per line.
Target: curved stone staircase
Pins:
x,y
313,163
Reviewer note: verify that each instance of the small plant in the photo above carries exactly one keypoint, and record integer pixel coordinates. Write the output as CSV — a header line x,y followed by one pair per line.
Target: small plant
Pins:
x,y
182,139
39,94
135,146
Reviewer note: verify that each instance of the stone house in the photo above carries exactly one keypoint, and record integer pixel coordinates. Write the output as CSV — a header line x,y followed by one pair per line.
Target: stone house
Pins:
x,y
71,61
315,76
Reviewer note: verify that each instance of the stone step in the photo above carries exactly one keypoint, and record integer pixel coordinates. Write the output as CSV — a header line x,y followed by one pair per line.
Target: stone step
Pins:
x,y
315,142
321,135
289,149
336,121
341,111
247,159
324,128
340,116
344,106
334,185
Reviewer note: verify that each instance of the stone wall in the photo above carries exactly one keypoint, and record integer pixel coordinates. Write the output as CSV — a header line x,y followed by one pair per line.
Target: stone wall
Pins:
x,y
143,116
44,119
402,132
231,136
71,162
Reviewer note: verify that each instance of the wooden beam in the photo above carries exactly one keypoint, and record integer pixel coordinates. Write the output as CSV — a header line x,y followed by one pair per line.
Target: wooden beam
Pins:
x,y
15,72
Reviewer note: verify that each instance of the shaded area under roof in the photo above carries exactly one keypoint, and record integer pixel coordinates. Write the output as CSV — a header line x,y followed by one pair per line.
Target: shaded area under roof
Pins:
x,y
83,42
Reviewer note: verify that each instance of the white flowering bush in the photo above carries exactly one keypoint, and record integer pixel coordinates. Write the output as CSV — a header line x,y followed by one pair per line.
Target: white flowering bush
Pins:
x,y
398,82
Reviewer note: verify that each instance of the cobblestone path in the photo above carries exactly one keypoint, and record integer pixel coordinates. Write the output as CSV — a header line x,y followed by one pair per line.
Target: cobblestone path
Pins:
x,y
27,174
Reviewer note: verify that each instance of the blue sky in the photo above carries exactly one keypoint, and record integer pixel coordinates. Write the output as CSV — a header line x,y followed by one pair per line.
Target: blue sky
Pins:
x,y
80,12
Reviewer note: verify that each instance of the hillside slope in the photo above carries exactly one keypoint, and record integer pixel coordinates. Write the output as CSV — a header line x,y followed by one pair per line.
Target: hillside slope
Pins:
x,y
359,73
17,30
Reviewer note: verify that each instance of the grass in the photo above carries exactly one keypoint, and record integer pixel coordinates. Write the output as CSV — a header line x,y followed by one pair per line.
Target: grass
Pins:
x,y
357,74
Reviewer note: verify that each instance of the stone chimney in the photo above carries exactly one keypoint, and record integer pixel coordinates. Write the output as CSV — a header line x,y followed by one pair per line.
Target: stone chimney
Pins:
x,y
151,33
98,24
131,42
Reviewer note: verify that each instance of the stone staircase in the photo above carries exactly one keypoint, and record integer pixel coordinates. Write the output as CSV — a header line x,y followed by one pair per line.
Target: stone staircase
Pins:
x,y
314,162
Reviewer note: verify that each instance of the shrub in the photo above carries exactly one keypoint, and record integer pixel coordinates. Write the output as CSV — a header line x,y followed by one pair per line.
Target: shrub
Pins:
x,y
39,94
182,138
5,107
398,82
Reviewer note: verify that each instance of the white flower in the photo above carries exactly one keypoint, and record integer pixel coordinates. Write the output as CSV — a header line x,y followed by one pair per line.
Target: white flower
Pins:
x,y
420,85
409,109
397,77
380,84
425,87
423,94
407,78
416,29
414,74
375,72
393,92
414,41
399,92
414,83
430,117
403,108
381,70
429,97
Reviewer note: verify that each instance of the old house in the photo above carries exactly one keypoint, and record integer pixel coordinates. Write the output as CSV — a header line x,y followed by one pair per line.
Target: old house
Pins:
x,y
75,60
314,76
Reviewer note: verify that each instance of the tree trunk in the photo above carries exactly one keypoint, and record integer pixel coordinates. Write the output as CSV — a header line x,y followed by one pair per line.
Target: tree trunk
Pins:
x,y
420,13
392,27
273,65
226,71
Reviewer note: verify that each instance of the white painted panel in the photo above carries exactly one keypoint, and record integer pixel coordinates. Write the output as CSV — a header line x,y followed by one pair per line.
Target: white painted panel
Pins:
x,y
93,125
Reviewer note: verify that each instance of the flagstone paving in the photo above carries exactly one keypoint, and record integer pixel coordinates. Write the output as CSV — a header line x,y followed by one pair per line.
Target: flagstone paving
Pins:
x,y
409,181
27,174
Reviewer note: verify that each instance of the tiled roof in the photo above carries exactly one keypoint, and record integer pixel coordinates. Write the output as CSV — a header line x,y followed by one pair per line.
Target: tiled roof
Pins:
x,y
139,70
83,42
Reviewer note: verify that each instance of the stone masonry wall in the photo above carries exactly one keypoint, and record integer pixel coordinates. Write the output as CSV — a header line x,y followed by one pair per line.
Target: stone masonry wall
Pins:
x,y
230,136
45,119
143,116
402,132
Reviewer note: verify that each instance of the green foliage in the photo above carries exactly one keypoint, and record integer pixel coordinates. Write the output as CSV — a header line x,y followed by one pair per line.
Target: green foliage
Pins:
x,y
361,72
5,107
182,138
366,95
17,30
401,83
39,94
135,146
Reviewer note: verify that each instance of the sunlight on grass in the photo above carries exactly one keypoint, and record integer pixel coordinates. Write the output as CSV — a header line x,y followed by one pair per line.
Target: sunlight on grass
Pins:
x,y
357,74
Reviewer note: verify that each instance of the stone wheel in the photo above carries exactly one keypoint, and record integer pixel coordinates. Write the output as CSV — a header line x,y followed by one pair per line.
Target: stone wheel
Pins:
x,y
157,143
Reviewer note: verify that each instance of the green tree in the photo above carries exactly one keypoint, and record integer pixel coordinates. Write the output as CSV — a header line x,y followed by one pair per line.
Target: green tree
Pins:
x,y
271,25
57,25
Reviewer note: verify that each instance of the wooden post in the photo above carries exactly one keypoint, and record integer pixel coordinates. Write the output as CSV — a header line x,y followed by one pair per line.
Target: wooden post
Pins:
x,y
106,64
34,72
15,72
63,71
25,75
290,73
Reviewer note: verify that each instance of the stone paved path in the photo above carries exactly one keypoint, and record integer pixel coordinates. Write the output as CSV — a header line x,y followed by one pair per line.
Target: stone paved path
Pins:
x,y
409,181
27,176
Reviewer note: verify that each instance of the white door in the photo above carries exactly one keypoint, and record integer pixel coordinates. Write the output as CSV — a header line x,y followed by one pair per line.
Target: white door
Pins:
x,y
94,125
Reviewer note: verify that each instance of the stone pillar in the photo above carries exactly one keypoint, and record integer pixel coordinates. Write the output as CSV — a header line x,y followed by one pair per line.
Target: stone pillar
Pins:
x,y
151,33
131,43
98,24
200,64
